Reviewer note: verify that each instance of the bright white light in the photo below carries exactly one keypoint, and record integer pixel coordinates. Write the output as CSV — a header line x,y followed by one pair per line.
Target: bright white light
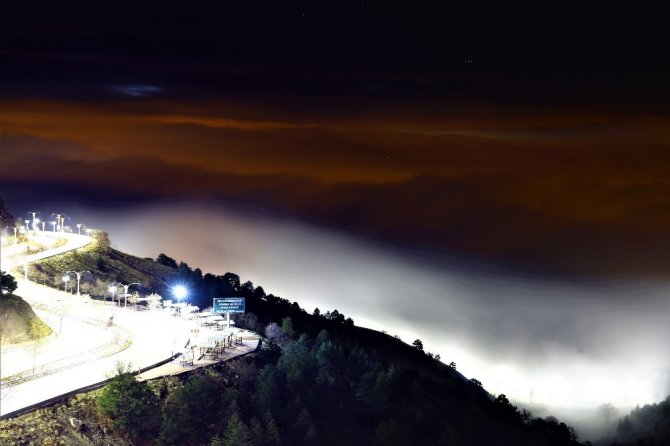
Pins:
x,y
179,291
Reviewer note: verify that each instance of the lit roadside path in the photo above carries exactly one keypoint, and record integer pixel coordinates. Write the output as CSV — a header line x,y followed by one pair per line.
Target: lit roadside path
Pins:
x,y
15,255
155,336
249,344
56,350
72,334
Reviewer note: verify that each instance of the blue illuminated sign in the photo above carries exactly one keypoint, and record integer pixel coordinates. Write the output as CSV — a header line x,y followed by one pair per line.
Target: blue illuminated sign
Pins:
x,y
228,305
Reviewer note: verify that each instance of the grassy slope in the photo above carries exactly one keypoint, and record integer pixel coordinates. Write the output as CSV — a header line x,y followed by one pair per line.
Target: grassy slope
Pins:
x,y
18,322
107,266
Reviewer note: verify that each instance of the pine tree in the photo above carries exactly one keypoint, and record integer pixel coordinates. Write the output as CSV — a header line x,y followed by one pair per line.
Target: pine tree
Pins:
x,y
237,433
257,434
287,328
273,436
131,406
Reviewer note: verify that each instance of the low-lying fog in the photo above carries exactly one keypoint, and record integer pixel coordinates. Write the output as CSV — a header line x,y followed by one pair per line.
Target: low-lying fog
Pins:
x,y
557,344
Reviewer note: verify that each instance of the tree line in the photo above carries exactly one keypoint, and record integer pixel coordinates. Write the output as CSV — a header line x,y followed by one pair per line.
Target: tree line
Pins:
x,y
319,390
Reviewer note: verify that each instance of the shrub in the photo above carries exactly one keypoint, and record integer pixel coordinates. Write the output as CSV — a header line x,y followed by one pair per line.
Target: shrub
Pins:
x,y
131,407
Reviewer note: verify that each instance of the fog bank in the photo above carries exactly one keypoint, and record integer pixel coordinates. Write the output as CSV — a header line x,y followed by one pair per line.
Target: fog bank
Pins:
x,y
552,343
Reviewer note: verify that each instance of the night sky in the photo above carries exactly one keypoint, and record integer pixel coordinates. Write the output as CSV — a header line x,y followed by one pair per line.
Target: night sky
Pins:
x,y
501,166
527,134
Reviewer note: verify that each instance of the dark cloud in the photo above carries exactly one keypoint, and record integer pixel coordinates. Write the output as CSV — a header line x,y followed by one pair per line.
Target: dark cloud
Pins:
x,y
136,90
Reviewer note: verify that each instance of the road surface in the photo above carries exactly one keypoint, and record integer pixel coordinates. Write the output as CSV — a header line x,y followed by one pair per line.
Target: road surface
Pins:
x,y
84,350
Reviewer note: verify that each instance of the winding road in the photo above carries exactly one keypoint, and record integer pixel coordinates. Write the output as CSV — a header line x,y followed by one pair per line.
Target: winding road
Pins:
x,y
83,350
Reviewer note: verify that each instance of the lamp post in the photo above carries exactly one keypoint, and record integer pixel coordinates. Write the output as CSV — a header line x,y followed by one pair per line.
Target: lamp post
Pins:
x,y
53,226
79,228
61,310
66,279
180,292
43,223
112,289
125,293
60,220
78,278
35,220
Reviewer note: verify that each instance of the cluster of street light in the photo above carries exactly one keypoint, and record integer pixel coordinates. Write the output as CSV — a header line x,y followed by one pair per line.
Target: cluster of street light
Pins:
x,y
36,224
180,292
114,287
69,308
57,222
66,279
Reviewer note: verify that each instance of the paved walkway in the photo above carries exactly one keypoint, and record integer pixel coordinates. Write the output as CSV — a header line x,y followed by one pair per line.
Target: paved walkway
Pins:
x,y
155,337
249,344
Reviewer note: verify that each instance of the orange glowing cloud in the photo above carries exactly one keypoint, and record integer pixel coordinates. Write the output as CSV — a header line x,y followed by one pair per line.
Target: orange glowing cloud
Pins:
x,y
516,186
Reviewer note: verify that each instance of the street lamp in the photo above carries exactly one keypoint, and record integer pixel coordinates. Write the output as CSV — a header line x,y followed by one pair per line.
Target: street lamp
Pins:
x,y
79,228
35,220
78,278
180,292
53,226
66,279
112,289
60,222
125,294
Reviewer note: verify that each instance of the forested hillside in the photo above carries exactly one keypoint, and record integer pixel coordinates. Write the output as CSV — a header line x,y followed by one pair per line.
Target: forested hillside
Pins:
x,y
319,380
648,425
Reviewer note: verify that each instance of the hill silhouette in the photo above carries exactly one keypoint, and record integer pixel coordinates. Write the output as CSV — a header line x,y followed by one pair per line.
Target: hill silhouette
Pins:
x,y
648,425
